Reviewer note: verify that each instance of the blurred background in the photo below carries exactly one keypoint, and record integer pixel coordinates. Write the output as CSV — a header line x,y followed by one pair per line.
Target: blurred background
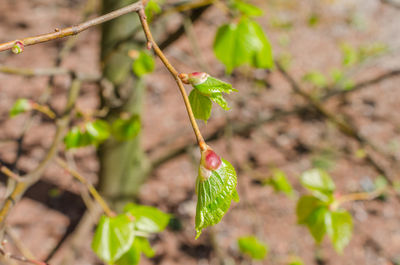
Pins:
x,y
344,54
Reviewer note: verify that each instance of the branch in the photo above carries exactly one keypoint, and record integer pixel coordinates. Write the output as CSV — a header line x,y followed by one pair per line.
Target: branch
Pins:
x,y
34,176
74,30
88,185
174,73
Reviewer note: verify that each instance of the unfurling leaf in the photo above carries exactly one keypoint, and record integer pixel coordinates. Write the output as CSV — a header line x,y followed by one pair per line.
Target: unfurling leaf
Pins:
x,y
113,237
253,247
215,190
20,106
243,43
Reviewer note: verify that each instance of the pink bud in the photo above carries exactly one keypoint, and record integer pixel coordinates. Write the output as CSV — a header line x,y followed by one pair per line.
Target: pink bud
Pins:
x,y
18,47
195,78
210,160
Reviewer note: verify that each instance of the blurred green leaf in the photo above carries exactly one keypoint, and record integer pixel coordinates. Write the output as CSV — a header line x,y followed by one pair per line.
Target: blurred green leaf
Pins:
x,y
152,8
339,226
316,223
253,247
305,206
144,64
247,9
148,219
313,19
113,237
280,183
319,183
125,129
243,43
316,78
215,193
201,105
98,130
20,106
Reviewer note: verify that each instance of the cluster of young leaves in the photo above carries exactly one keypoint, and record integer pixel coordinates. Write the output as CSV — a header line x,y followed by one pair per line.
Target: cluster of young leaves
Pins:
x,y
356,55
316,211
215,193
203,94
251,246
243,42
120,240
97,131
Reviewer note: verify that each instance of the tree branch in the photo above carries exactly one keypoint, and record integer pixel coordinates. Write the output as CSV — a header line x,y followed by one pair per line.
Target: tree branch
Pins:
x,y
74,30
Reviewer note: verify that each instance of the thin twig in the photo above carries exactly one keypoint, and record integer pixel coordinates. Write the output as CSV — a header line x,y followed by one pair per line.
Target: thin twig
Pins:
x,y
174,73
74,30
88,185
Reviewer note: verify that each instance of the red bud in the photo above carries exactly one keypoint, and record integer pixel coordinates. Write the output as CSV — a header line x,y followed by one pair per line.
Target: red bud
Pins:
x,y
18,47
210,160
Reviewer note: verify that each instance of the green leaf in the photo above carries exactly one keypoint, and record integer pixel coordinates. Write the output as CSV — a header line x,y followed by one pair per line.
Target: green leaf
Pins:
x,y
280,183
113,237
319,183
244,43
152,8
125,129
339,227
76,138
144,64
316,223
316,78
148,219
201,105
349,54
305,206
132,256
213,85
20,106
247,9
98,130
215,193
253,247
220,100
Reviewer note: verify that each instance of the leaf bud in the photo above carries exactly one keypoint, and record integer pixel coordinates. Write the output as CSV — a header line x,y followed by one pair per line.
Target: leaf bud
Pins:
x,y
18,47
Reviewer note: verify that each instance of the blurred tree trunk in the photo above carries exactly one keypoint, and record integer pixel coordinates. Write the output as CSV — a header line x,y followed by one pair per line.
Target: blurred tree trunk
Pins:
x,y
123,165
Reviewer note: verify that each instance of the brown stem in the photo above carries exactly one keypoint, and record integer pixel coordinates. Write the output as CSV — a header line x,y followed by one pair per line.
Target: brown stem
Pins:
x,y
151,43
74,29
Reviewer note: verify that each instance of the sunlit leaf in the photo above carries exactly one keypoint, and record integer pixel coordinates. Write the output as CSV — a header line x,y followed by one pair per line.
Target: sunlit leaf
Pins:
x,y
339,227
243,43
148,219
98,130
319,183
215,193
132,256
253,247
113,237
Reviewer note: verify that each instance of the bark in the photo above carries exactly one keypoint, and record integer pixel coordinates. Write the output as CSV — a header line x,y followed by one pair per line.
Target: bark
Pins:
x,y
123,165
